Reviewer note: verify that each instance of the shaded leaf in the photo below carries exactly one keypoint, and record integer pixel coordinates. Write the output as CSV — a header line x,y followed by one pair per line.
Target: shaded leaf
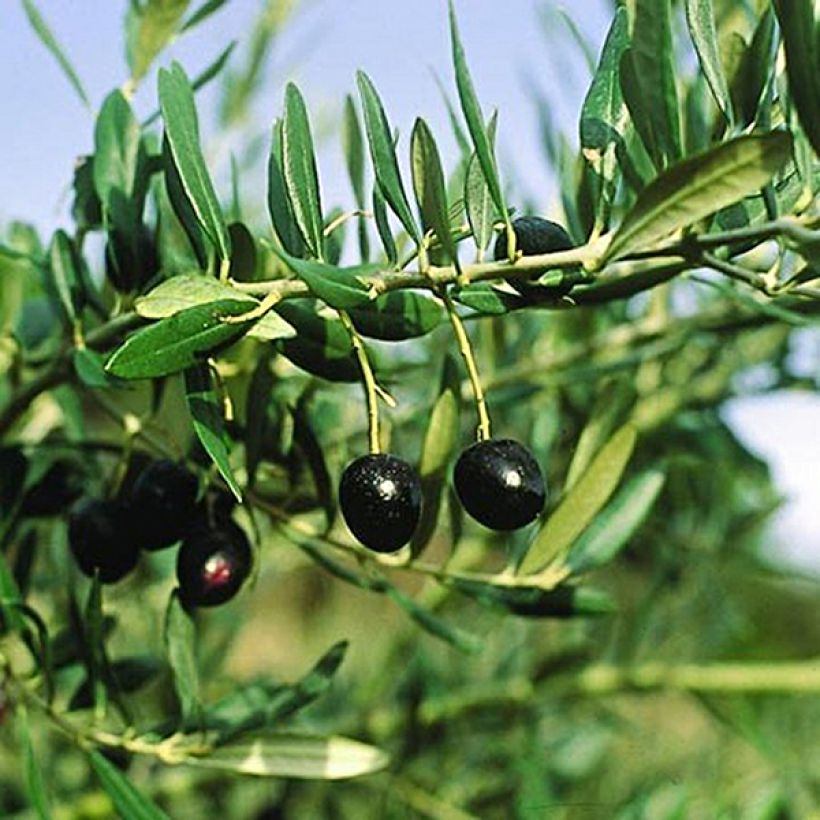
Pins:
x,y
118,152
699,186
612,528
129,803
303,757
179,637
209,423
484,298
201,14
799,28
66,276
580,505
756,65
301,177
397,315
279,205
176,99
89,365
383,155
383,226
179,341
481,211
35,784
353,148
47,38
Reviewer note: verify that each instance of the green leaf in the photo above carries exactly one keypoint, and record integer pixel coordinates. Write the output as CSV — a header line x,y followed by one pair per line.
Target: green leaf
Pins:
x,y
756,65
536,602
484,298
700,17
321,346
10,599
397,315
441,440
340,288
209,423
612,528
581,504
89,365
179,636
475,120
47,38
306,426
261,704
66,276
118,152
149,27
210,72
257,398
429,187
179,341
301,177
188,290
243,253
129,803
648,82
481,212
383,226
699,186
464,641
95,654
383,154
303,757
201,14
353,148
35,785
802,44
604,117
176,99
279,204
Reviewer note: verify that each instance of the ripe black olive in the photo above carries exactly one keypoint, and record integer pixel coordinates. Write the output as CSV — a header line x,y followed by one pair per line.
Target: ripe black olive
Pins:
x,y
535,235
380,498
212,564
500,484
164,500
102,539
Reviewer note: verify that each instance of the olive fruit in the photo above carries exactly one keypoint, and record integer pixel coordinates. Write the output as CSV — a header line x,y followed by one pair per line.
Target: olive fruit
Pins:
x,y
380,498
164,500
102,539
62,483
500,484
535,235
212,564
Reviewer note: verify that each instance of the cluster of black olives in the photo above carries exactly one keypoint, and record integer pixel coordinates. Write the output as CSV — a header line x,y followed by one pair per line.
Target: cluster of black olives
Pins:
x,y
498,481
106,536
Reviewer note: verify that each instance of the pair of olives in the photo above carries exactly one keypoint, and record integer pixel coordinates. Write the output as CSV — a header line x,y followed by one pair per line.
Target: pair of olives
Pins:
x,y
106,536
498,482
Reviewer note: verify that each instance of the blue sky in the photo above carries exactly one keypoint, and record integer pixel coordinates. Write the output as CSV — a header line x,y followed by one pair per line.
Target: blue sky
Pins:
x,y
399,44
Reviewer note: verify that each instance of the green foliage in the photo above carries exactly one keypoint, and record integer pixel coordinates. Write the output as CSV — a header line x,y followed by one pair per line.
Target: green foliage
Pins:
x,y
494,674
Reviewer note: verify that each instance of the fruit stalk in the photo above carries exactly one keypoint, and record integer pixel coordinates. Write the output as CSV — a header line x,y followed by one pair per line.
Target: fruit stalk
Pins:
x,y
368,380
466,351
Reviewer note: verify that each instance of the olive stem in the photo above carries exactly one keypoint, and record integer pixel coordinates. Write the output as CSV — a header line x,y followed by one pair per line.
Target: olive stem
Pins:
x,y
368,380
466,351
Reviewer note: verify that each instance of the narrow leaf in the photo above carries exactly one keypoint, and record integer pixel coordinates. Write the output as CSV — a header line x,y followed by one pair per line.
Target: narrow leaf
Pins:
x,y
303,757
129,803
149,27
65,275
47,38
201,14
176,100
180,648
209,423
582,502
398,315
700,17
301,177
383,155
611,530
475,120
279,204
353,148
429,186
441,439
117,149
800,38
179,341
481,212
699,186
35,784
383,226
